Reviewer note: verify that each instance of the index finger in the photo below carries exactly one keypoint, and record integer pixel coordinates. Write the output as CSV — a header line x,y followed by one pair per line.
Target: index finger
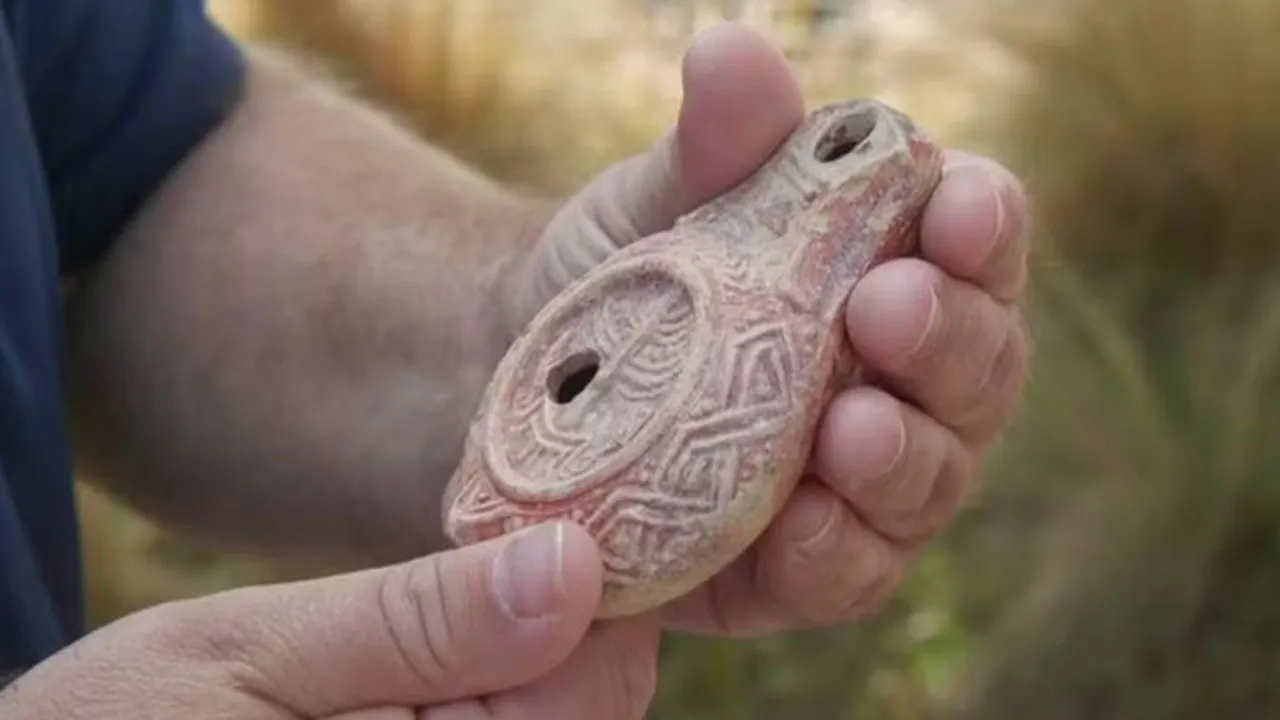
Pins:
x,y
479,619
974,227
612,674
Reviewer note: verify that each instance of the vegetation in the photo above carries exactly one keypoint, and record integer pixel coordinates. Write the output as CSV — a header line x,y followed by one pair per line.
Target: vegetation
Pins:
x,y
1148,137
1123,558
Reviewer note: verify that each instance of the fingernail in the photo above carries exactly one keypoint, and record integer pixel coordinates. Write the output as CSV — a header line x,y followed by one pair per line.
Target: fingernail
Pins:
x,y
979,187
884,412
529,573
820,532
814,524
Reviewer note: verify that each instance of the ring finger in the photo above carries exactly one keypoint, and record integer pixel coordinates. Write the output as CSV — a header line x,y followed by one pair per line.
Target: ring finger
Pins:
x,y
941,343
901,471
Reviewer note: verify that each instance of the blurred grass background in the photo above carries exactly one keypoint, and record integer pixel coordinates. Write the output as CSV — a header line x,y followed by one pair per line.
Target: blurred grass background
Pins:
x,y
1123,557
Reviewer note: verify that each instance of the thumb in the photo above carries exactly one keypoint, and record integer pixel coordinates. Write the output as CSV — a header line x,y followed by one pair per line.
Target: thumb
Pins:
x,y
740,102
458,624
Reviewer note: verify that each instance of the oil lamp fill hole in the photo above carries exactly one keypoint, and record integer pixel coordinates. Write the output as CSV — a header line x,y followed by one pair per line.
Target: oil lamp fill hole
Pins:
x,y
571,376
845,136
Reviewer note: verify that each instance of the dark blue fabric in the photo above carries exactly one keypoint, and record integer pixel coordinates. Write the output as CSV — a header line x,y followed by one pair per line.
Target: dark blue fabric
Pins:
x,y
99,99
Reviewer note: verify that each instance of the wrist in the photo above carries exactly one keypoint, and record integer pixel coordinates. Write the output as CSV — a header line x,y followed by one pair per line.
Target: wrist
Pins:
x,y
493,317
511,287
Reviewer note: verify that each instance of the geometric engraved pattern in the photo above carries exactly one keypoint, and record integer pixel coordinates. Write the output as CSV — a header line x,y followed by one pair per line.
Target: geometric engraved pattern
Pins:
x,y
709,352
642,335
699,470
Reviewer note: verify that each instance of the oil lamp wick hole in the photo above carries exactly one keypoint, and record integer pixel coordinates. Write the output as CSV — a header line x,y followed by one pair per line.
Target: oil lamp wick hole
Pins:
x,y
571,376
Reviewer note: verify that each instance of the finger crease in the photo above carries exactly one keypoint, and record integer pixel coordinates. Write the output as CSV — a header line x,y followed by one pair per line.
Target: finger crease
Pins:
x,y
902,541
248,680
438,642
931,324
972,424
387,589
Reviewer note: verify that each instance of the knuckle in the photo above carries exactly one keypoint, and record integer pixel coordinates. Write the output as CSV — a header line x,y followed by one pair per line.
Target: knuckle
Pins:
x,y
929,491
876,590
849,572
951,482
1002,385
976,408
1006,273
419,621
955,319
915,520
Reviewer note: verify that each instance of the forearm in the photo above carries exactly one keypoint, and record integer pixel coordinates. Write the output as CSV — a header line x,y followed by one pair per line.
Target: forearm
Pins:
x,y
285,348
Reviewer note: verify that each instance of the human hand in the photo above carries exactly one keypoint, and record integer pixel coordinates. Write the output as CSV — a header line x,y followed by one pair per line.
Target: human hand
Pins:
x,y
940,335
495,630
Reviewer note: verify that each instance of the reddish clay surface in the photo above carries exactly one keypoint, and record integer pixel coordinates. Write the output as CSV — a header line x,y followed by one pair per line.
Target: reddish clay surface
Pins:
x,y
667,400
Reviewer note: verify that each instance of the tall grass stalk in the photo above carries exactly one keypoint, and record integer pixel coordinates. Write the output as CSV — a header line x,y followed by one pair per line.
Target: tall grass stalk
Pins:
x,y
1146,132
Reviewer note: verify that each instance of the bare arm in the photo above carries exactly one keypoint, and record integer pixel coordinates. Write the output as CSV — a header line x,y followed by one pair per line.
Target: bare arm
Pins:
x,y
284,349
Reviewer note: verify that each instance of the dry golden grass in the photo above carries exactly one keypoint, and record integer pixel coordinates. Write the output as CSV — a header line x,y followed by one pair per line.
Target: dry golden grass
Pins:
x,y
1148,135
1160,116
546,93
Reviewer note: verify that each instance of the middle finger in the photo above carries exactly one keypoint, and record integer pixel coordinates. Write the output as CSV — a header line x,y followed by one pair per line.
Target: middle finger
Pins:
x,y
941,343
903,473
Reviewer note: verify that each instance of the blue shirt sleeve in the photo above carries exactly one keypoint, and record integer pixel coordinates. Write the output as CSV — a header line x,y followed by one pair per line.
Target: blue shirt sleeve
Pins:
x,y
119,91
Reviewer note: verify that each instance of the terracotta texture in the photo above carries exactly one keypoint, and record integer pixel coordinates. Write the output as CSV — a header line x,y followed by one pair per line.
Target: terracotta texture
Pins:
x,y
667,400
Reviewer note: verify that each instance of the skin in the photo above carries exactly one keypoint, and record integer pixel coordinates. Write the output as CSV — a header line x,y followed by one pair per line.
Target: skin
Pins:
x,y
284,350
